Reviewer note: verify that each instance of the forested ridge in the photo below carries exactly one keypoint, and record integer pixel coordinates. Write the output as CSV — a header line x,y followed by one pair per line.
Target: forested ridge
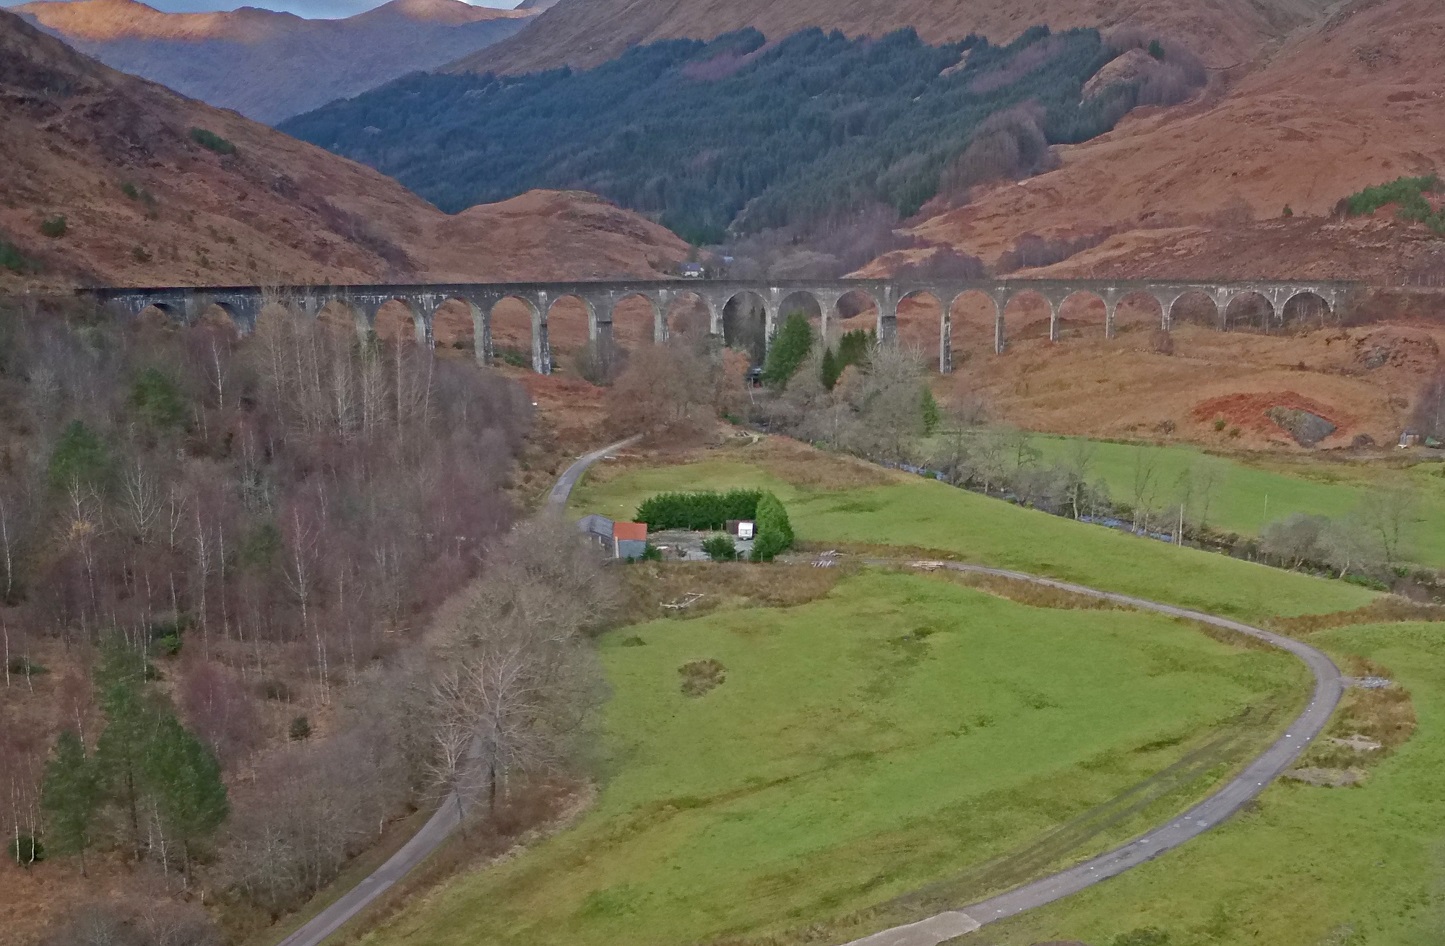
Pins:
x,y
735,134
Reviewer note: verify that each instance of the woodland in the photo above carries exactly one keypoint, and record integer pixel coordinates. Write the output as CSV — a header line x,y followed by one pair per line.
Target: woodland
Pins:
x,y
223,562
739,135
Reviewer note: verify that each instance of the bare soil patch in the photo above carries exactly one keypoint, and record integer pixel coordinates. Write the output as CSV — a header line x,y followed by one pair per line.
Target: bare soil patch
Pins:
x,y
1271,413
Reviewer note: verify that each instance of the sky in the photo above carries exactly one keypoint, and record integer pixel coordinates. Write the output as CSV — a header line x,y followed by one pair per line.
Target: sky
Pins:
x,y
307,8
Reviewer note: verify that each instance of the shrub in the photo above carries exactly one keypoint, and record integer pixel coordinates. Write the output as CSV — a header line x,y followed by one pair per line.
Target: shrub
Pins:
x,y
1288,211
721,548
599,362
701,510
1408,193
212,141
54,226
1295,540
299,729
26,849
12,259
259,547
157,399
513,357
25,667
701,676
1365,581
166,637
1220,423
79,457
278,690
140,254
1156,49
775,532
1161,342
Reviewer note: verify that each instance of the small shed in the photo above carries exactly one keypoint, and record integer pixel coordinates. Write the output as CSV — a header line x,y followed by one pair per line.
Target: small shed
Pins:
x,y
630,539
598,529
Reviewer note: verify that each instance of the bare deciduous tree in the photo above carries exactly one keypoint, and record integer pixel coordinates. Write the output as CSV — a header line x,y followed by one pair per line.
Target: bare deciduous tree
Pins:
x,y
1144,488
1387,513
526,678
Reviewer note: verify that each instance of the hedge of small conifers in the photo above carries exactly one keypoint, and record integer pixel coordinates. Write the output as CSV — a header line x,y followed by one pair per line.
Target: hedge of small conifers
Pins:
x,y
712,510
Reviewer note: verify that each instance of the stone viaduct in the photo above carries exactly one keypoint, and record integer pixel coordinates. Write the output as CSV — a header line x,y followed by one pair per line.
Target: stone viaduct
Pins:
x,y
244,303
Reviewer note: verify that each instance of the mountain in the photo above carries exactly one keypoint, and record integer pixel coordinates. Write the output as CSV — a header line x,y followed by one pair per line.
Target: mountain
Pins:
x,y
585,33
739,134
115,180
1244,182
268,65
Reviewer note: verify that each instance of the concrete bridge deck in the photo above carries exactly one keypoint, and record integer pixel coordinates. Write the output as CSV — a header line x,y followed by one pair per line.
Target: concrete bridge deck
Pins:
x,y
244,303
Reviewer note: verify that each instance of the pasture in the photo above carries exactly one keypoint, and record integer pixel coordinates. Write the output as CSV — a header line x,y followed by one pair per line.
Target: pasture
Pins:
x,y
1308,866
830,757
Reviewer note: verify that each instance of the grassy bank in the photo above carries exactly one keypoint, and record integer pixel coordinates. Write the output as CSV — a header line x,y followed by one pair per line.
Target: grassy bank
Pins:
x,y
910,511
888,735
1246,496
1308,866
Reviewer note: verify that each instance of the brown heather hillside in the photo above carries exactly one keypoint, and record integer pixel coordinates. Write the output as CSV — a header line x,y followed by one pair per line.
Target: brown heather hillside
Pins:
x,y
1201,190
144,204
267,65
588,32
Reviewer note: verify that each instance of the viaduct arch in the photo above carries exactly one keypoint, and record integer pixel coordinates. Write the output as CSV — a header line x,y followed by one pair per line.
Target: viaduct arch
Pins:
x,y
244,303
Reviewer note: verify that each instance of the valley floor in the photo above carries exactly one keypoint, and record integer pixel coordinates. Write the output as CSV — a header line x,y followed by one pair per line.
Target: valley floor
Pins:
x,y
894,733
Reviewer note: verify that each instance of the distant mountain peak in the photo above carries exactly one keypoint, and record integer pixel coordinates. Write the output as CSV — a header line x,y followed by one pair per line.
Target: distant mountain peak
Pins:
x,y
436,11
276,64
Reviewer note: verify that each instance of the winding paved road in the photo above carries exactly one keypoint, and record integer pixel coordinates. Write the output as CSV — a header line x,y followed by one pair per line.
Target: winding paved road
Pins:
x,y
441,825
1227,800
1234,795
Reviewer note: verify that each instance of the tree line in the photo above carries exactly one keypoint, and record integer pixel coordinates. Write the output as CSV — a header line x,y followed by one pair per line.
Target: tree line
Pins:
x,y
734,134
879,407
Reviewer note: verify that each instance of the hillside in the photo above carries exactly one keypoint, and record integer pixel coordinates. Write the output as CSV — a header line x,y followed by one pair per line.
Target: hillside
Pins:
x,y
145,203
269,66
588,32
1203,190
739,135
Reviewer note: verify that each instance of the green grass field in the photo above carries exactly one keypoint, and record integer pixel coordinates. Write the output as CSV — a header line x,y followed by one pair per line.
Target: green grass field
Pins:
x,y
887,735
1246,497
1311,866
912,511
